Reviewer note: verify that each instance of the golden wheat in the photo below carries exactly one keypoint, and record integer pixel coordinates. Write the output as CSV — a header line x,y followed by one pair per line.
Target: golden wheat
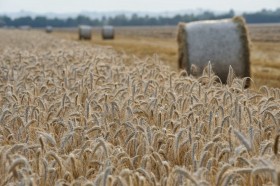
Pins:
x,y
75,114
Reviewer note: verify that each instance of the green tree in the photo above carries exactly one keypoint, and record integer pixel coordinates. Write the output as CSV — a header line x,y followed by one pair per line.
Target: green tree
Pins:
x,y
22,21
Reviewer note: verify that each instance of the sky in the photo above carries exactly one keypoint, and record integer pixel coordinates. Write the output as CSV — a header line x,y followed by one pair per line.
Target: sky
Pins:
x,y
67,6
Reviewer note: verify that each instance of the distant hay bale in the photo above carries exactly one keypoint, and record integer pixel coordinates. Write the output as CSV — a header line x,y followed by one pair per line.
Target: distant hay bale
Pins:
x,y
49,29
25,27
85,32
108,32
223,42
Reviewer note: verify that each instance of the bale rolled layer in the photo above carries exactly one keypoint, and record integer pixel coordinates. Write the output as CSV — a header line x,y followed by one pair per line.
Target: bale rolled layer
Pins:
x,y
85,32
108,32
222,42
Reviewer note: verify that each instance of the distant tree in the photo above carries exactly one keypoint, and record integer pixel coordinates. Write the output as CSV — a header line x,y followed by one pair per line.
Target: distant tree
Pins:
x,y
39,21
83,20
70,22
230,14
263,16
5,21
119,20
22,21
206,15
57,23
2,22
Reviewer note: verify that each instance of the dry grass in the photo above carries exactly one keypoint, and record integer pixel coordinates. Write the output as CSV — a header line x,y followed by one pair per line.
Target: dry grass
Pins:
x,y
134,41
73,114
143,41
266,63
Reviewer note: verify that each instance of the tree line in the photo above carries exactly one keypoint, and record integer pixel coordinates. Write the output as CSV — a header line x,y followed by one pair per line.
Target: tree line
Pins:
x,y
263,16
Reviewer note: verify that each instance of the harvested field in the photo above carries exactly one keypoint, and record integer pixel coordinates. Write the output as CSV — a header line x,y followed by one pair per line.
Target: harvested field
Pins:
x,y
143,41
73,113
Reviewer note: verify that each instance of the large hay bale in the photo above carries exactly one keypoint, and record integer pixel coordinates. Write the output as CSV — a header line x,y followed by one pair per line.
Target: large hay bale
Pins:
x,y
85,32
49,29
223,42
108,32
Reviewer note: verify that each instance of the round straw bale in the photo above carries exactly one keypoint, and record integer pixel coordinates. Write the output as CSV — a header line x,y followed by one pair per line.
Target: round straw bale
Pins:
x,y
25,27
222,42
108,32
85,32
49,29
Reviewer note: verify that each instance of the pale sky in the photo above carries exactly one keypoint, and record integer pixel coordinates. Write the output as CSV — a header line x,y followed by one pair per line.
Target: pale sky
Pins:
x,y
66,6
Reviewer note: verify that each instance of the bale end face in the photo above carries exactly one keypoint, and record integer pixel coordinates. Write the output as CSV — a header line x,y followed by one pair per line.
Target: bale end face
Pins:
x,y
223,42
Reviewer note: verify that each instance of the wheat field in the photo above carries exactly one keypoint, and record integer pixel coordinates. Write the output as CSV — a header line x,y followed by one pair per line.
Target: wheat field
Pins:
x,y
74,113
